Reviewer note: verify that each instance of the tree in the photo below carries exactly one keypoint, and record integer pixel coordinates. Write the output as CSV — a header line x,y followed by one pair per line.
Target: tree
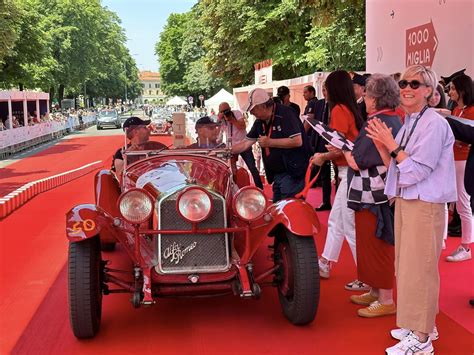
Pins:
x,y
339,44
168,49
10,17
300,36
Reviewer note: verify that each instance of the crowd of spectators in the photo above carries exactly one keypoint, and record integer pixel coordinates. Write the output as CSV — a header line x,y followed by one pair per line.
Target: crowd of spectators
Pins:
x,y
403,168
56,115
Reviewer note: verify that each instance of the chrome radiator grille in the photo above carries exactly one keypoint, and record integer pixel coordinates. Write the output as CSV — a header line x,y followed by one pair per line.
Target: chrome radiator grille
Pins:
x,y
189,253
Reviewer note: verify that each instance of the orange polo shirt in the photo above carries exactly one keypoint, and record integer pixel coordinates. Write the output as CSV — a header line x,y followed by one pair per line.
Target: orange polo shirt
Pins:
x,y
343,121
461,150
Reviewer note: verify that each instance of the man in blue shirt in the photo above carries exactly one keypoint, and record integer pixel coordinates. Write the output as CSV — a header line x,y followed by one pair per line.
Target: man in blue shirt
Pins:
x,y
285,148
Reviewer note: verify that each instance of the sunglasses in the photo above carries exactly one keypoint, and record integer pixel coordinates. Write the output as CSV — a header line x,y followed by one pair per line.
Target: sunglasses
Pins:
x,y
414,84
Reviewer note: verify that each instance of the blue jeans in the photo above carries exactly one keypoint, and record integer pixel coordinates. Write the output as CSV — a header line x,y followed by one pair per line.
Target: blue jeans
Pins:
x,y
285,186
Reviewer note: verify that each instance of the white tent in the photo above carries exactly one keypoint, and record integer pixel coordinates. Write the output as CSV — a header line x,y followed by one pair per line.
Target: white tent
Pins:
x,y
222,96
176,101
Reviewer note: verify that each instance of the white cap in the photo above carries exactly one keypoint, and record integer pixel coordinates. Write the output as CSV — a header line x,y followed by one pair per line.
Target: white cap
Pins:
x,y
256,97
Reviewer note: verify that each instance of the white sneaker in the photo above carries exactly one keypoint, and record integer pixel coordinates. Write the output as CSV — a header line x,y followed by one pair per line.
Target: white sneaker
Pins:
x,y
401,333
411,345
357,285
460,254
324,269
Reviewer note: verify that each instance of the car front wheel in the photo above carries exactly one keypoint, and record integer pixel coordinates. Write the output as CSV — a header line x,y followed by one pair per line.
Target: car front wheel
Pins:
x,y
297,277
85,287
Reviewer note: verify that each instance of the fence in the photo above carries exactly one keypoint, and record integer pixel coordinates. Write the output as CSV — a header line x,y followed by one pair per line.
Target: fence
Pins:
x,y
17,139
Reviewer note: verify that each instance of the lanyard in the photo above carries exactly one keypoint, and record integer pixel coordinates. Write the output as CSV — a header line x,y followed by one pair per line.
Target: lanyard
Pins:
x,y
267,150
412,128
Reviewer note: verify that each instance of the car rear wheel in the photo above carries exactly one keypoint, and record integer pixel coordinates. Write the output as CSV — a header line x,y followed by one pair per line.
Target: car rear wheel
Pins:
x,y
298,277
99,128
85,287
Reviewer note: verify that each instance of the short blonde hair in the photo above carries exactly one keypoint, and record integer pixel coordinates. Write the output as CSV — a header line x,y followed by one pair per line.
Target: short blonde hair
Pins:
x,y
428,75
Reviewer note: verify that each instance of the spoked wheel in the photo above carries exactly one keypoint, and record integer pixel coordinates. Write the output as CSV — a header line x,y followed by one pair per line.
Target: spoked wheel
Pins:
x,y
85,287
298,277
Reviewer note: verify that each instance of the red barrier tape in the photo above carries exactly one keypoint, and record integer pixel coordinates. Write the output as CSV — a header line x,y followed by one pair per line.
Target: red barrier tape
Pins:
x,y
307,182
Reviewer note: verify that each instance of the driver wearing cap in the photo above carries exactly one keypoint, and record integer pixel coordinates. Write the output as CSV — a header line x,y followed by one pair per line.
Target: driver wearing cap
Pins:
x,y
285,147
138,134
207,133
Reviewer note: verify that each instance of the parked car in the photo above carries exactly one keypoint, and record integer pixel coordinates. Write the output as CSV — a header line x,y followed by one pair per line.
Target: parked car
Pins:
x,y
190,228
108,118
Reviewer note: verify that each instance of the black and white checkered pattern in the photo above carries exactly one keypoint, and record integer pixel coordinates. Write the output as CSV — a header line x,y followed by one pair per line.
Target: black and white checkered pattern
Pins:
x,y
330,135
367,186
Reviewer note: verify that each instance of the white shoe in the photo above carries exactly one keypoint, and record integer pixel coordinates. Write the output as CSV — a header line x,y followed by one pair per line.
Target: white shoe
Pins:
x,y
411,345
460,254
401,333
324,269
357,285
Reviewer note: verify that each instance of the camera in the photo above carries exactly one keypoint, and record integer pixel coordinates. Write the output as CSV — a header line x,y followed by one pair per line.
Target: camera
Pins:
x,y
228,113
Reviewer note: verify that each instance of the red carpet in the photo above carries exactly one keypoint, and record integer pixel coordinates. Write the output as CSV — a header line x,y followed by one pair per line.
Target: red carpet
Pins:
x,y
66,155
33,300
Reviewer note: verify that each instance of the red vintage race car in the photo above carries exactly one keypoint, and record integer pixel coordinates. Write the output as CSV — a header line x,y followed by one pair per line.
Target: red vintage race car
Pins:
x,y
189,229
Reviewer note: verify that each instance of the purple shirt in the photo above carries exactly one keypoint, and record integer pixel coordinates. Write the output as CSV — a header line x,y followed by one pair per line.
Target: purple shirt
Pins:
x,y
428,174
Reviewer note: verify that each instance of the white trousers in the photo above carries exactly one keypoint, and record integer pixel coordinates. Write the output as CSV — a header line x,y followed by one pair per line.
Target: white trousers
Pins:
x,y
341,223
463,204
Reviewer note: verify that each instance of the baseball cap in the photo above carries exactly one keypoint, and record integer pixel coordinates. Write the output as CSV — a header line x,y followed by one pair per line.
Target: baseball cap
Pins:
x,y
256,97
135,121
359,79
283,91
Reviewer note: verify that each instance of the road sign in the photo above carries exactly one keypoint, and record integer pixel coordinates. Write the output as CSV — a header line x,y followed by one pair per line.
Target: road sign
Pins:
x,y
201,97
421,45
190,99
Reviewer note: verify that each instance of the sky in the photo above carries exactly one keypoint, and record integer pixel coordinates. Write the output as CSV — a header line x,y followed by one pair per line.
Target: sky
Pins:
x,y
143,21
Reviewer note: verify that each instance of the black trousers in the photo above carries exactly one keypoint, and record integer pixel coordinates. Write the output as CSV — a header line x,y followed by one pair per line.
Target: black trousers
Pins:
x,y
249,160
325,178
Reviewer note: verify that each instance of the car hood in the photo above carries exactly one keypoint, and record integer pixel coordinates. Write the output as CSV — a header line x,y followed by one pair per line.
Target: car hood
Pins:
x,y
160,175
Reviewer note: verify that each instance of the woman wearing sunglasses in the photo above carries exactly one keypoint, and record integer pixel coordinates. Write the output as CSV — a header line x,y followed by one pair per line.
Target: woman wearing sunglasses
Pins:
x,y
420,164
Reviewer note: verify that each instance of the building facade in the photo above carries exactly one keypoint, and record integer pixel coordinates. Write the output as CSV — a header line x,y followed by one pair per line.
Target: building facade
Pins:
x,y
151,88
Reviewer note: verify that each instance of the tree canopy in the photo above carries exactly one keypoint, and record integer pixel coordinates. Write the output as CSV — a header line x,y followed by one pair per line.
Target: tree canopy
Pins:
x,y
218,42
66,47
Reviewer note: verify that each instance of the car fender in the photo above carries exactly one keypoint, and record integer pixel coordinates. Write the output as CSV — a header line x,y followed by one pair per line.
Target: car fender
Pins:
x,y
296,215
86,221
107,192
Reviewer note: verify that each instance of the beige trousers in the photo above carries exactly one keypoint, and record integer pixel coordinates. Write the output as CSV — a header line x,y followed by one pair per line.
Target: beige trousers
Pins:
x,y
419,231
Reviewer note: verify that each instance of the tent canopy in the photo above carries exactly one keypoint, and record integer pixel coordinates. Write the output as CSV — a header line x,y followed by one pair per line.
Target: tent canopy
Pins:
x,y
176,101
221,96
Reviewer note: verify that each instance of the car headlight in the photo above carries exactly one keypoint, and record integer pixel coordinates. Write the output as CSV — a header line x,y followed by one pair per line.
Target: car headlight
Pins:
x,y
250,203
194,204
136,205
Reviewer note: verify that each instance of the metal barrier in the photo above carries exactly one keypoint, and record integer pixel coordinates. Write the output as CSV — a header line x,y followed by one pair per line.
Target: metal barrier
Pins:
x,y
15,140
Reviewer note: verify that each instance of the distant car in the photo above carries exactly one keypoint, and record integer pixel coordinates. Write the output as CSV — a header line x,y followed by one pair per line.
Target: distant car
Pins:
x,y
190,228
108,118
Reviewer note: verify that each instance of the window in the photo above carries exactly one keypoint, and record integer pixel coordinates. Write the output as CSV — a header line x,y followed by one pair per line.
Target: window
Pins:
x,y
149,92
157,86
149,86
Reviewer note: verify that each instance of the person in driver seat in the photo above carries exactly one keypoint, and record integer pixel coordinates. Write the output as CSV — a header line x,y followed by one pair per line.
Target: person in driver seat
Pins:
x,y
138,134
208,133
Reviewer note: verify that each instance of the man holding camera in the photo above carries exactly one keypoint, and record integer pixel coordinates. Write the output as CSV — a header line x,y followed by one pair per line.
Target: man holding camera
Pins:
x,y
234,119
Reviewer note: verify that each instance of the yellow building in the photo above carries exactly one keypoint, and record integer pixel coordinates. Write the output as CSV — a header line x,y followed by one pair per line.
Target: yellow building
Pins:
x,y
151,87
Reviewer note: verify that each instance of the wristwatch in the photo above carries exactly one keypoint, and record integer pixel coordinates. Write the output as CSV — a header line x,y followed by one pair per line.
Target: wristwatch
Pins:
x,y
395,152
